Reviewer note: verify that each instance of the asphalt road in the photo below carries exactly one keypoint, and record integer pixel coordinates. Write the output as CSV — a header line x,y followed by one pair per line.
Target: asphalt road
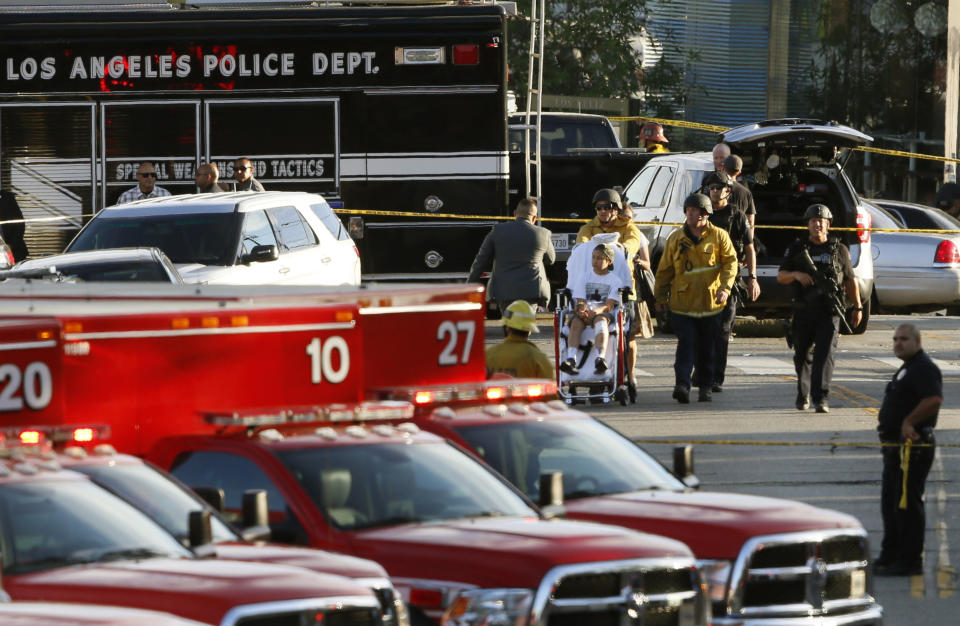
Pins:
x,y
752,440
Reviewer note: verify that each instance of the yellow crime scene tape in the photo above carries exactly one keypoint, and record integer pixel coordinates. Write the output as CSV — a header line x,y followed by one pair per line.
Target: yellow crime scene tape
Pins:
x,y
787,444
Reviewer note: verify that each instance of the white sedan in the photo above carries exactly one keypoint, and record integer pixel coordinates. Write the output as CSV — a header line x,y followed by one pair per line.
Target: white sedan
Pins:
x,y
913,272
234,238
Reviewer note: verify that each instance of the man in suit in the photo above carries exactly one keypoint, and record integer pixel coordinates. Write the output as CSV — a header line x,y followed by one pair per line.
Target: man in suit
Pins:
x,y
517,251
12,233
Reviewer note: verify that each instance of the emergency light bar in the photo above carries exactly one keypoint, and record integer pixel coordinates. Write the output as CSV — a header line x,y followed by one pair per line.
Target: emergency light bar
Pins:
x,y
34,436
337,413
467,393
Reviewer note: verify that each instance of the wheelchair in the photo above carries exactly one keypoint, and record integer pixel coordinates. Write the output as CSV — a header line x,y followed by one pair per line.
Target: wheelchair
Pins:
x,y
587,386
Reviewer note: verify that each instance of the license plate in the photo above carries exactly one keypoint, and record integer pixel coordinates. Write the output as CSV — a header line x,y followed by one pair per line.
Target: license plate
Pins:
x,y
560,242
858,583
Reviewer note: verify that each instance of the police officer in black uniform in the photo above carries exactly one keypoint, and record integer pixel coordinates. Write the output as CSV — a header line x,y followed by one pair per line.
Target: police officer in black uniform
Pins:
x,y
907,416
718,186
819,267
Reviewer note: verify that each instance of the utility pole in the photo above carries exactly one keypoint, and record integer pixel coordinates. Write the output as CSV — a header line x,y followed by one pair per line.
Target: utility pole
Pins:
x,y
952,110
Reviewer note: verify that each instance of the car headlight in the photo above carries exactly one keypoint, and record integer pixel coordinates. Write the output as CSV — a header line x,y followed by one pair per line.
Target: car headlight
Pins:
x,y
717,576
489,607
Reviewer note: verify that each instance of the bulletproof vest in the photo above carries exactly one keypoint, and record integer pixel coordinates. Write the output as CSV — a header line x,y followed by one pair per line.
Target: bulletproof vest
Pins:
x,y
826,258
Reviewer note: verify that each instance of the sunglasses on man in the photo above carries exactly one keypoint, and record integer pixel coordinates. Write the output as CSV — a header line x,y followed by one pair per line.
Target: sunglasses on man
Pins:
x,y
606,207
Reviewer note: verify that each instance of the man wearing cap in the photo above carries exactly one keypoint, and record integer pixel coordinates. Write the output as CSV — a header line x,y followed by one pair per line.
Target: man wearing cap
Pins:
x,y
652,138
695,278
517,251
719,185
516,356
816,323
740,196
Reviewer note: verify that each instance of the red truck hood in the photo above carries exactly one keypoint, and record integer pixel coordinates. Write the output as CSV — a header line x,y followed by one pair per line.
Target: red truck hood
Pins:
x,y
514,552
308,558
713,524
199,590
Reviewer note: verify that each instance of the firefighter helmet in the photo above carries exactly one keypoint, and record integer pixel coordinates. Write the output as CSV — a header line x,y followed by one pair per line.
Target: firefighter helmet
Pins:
x,y
817,210
520,315
608,195
652,131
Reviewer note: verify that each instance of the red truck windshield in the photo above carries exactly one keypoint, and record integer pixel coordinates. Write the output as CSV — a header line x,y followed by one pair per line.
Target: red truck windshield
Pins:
x,y
594,459
389,484
49,524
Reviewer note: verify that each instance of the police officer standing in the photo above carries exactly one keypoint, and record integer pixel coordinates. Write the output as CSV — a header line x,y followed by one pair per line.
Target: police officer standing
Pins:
x,y
908,415
732,219
819,267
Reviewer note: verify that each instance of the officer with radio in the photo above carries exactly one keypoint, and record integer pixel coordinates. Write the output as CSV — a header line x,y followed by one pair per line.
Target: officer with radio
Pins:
x,y
820,271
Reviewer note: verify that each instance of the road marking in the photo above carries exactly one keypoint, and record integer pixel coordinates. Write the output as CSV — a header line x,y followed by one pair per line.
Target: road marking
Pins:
x,y
761,365
895,363
946,575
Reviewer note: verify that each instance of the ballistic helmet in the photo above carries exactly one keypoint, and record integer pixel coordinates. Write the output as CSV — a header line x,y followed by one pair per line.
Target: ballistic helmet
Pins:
x,y
651,131
608,195
699,201
817,210
718,178
520,315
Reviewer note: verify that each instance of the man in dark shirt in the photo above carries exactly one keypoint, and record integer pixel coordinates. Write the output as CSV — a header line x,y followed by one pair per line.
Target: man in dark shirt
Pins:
x,y
815,322
719,187
740,196
907,417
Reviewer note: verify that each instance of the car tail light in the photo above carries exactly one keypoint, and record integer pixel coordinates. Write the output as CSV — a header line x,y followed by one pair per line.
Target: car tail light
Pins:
x,y
947,253
863,224
466,54
7,254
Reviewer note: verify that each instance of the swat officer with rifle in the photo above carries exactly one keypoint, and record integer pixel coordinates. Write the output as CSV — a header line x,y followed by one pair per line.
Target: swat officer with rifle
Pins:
x,y
820,271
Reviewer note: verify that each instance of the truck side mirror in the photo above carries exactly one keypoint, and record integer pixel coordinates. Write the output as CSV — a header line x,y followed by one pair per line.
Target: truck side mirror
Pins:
x,y
262,254
551,495
551,489
214,496
256,520
683,466
199,529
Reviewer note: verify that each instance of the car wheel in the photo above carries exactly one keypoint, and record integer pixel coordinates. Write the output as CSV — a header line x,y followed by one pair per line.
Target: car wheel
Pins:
x,y
862,326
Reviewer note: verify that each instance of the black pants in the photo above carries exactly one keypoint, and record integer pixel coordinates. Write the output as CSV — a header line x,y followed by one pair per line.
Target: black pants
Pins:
x,y
727,316
815,333
696,346
903,529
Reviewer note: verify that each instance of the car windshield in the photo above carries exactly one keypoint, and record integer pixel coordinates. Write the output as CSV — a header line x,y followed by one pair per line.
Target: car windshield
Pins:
x,y
368,486
160,497
881,219
50,524
916,217
594,459
205,238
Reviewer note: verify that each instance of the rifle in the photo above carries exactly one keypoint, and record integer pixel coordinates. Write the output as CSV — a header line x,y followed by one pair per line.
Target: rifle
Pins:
x,y
826,286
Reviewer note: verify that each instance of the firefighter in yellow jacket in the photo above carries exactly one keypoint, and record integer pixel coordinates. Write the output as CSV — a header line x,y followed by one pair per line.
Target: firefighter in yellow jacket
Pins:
x,y
694,278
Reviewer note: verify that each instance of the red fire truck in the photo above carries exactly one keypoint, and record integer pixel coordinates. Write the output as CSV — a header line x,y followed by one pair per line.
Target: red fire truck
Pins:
x,y
67,540
188,378
391,106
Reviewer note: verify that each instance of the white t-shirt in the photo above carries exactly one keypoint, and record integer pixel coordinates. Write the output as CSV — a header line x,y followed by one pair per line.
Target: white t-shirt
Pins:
x,y
599,288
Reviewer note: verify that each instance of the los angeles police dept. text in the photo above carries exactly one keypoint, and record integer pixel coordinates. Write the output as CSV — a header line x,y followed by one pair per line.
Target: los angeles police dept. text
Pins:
x,y
185,66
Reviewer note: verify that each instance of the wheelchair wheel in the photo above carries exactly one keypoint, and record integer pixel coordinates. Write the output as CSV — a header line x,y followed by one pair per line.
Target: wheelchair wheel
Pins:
x,y
621,396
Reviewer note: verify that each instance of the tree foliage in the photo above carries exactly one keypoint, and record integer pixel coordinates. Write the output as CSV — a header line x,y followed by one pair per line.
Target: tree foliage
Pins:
x,y
587,47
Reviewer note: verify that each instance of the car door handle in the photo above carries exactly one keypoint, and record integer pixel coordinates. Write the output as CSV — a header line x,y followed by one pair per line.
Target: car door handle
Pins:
x,y
284,270
325,259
